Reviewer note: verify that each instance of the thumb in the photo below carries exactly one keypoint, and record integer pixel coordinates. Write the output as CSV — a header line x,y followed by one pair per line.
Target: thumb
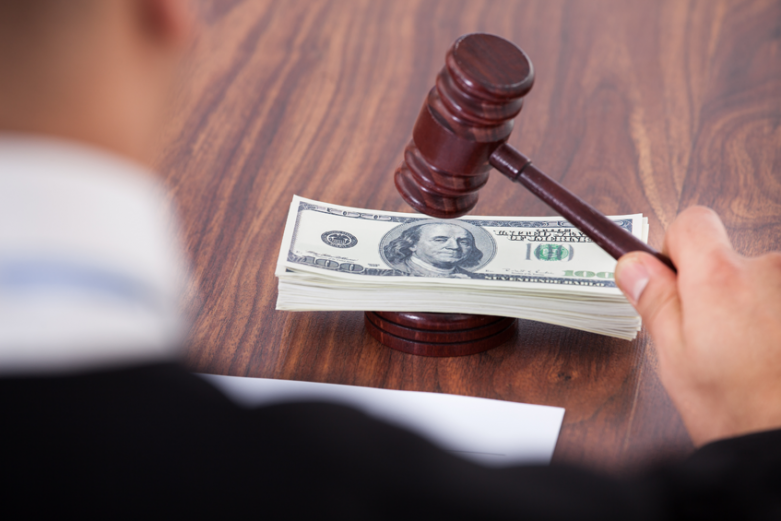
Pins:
x,y
652,288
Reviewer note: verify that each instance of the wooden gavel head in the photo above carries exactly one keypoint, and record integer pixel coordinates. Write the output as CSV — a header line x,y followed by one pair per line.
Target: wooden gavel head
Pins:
x,y
466,116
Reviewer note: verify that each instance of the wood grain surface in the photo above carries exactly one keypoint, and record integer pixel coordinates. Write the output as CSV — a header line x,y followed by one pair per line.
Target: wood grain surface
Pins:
x,y
637,107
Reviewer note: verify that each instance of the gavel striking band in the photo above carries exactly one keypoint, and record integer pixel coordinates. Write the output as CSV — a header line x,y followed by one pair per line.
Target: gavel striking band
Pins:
x,y
461,133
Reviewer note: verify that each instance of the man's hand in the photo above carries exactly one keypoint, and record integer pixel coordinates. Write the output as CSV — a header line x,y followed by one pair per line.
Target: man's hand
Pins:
x,y
716,327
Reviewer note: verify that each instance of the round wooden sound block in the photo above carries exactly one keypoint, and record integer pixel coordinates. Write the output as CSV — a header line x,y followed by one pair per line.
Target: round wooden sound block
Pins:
x,y
439,334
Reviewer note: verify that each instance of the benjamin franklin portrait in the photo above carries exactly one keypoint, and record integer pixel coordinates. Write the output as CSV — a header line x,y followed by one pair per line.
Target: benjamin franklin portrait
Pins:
x,y
435,249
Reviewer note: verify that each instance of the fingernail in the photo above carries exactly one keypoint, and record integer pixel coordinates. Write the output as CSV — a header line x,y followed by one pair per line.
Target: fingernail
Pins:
x,y
632,277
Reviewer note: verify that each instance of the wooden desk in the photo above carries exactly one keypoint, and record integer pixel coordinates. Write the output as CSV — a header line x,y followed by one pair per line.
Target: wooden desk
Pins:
x,y
638,107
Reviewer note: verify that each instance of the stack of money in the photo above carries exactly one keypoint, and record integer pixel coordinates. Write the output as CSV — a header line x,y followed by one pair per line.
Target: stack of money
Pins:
x,y
536,268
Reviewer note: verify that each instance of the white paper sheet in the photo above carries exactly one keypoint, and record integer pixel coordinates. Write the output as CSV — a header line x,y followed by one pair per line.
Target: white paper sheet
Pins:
x,y
490,432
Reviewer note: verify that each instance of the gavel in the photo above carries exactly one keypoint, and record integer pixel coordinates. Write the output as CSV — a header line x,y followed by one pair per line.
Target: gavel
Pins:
x,y
462,131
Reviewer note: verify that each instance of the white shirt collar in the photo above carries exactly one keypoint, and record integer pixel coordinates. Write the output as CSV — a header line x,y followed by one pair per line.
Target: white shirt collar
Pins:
x,y
91,270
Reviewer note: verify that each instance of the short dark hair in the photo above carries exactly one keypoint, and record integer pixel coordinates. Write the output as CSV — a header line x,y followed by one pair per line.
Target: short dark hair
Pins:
x,y
398,250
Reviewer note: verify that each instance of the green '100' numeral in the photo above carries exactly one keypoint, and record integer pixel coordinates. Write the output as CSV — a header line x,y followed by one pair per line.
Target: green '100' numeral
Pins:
x,y
588,274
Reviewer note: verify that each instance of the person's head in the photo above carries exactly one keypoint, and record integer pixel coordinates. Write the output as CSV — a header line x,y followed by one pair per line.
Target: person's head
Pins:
x,y
442,245
98,71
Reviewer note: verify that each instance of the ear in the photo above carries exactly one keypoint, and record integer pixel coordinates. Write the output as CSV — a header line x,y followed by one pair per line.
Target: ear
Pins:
x,y
167,21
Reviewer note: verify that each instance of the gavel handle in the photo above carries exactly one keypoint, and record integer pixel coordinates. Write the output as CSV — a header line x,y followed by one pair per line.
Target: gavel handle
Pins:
x,y
611,237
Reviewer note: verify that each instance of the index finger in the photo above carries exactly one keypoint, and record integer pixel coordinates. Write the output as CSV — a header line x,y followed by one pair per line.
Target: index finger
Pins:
x,y
697,233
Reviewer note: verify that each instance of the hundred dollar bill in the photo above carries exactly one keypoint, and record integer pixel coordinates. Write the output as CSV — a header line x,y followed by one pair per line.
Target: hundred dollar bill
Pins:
x,y
372,246
541,268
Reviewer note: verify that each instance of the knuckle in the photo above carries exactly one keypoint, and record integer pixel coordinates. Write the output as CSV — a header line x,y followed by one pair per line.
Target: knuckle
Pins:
x,y
686,220
692,219
721,269
722,263
691,216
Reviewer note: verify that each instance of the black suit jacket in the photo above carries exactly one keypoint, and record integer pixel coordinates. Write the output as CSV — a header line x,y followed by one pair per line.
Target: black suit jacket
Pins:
x,y
156,440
